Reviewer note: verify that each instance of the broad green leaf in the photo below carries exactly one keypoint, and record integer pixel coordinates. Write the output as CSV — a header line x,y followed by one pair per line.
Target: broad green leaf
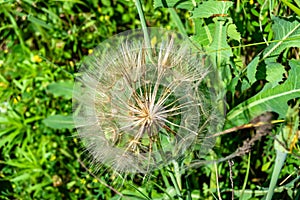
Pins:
x,y
245,85
273,99
287,34
251,70
61,89
182,4
59,121
274,73
219,48
209,8
232,85
213,38
204,33
233,33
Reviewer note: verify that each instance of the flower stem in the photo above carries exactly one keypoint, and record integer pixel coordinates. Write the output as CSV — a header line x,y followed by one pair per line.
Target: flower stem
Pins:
x,y
138,5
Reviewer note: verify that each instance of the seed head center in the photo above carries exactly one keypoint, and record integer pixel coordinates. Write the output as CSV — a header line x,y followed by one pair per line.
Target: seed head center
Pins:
x,y
148,115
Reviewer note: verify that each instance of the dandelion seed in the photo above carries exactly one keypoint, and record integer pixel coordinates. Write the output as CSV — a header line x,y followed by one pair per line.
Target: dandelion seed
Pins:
x,y
138,108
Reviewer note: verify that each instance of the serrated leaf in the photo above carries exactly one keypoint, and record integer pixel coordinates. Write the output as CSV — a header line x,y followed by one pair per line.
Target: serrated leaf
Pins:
x,y
210,8
182,4
287,34
251,70
59,122
219,48
233,33
245,85
273,99
61,89
204,34
274,73
232,85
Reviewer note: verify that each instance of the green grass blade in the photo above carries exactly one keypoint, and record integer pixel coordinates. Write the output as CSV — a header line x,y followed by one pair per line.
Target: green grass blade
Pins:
x,y
59,122
16,28
279,162
177,21
292,7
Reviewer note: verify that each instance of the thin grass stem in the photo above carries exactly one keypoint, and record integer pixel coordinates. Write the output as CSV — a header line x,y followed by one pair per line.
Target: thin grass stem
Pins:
x,y
246,177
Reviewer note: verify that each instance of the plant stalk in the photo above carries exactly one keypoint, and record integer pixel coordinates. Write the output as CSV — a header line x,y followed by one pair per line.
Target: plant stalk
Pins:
x,y
138,5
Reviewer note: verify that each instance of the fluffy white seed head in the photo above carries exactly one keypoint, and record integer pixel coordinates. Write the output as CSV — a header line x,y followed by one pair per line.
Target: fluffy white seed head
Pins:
x,y
136,107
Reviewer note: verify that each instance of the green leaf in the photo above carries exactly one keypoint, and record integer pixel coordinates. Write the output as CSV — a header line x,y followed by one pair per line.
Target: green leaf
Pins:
x,y
204,33
21,177
138,194
288,134
266,166
287,34
210,8
8,139
35,20
279,162
233,33
297,2
59,122
219,48
39,22
274,73
251,70
245,85
184,4
272,99
292,7
61,89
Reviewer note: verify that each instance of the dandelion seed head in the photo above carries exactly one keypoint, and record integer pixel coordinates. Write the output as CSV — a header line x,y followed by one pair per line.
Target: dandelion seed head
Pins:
x,y
137,108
